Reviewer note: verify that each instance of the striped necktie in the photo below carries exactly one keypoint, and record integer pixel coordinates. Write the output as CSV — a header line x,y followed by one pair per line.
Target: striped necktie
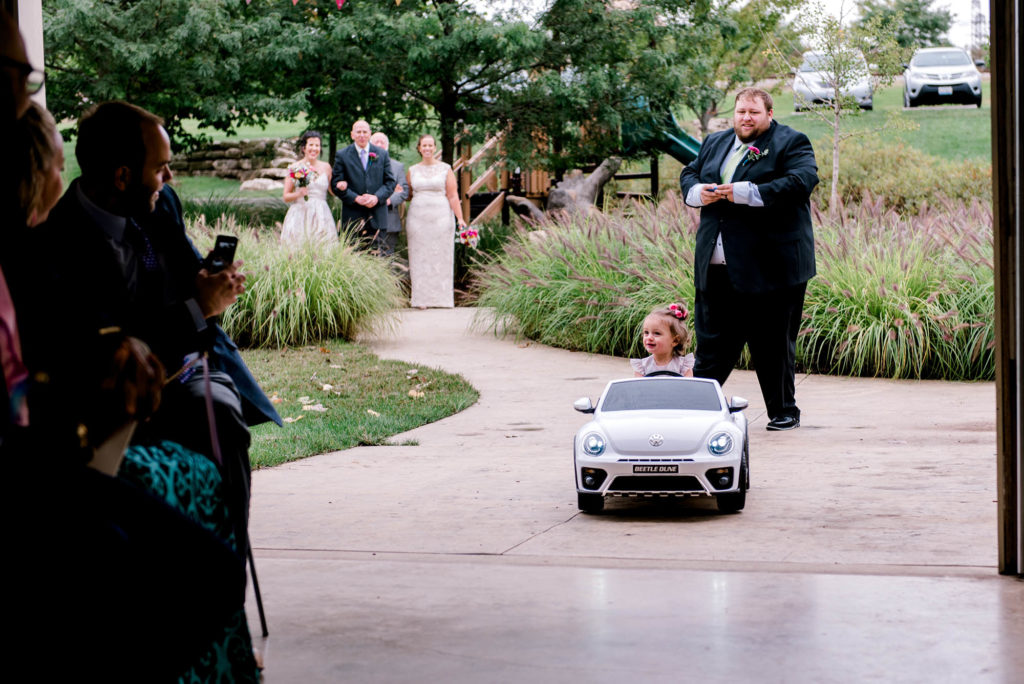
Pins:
x,y
730,166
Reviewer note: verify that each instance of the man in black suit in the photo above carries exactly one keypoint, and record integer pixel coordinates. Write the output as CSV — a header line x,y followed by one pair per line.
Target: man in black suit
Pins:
x,y
366,169
121,257
755,249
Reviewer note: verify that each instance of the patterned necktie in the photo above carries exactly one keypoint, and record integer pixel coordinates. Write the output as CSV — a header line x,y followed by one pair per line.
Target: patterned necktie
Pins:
x,y
730,166
144,248
363,157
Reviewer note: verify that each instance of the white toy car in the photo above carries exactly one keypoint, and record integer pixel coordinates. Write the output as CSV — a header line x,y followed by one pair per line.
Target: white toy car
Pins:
x,y
662,437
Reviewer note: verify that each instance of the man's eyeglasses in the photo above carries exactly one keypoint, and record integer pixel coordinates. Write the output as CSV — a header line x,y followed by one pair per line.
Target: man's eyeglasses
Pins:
x,y
34,78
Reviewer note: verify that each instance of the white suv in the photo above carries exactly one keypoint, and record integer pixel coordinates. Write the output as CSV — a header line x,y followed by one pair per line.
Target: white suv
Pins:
x,y
942,75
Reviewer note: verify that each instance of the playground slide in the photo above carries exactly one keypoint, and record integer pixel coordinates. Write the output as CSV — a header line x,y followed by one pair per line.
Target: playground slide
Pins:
x,y
669,138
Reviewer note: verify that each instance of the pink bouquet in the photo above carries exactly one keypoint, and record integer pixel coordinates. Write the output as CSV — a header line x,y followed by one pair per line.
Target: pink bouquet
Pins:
x,y
468,236
302,175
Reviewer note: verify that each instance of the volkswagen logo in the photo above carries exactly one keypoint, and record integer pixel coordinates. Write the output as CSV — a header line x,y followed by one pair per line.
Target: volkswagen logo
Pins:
x,y
656,440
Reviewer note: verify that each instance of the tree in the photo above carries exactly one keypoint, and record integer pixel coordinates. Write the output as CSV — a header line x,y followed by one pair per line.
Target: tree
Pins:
x,y
726,50
843,54
605,67
914,22
181,59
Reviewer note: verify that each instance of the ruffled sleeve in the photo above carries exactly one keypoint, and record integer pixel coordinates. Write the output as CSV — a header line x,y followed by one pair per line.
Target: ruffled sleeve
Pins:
x,y
638,365
687,363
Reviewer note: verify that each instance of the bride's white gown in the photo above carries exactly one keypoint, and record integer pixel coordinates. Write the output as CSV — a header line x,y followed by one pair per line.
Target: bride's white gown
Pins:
x,y
310,220
430,233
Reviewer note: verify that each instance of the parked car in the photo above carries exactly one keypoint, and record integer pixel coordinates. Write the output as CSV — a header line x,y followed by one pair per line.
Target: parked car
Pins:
x,y
814,84
942,75
662,437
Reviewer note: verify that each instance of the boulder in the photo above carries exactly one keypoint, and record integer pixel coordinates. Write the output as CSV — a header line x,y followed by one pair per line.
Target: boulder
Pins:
x,y
262,184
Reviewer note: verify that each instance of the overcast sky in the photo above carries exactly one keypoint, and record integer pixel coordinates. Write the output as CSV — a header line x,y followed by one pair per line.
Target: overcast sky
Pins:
x,y
959,34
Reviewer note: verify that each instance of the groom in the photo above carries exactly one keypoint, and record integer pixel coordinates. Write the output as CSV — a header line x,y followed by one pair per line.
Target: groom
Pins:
x,y
366,169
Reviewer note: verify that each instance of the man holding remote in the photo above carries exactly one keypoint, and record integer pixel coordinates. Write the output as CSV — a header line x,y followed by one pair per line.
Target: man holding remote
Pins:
x,y
755,249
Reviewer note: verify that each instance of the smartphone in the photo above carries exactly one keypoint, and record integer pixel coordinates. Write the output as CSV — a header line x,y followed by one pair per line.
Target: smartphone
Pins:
x,y
222,254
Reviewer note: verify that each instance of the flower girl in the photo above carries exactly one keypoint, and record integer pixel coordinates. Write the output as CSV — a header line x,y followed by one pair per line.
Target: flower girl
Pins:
x,y
666,337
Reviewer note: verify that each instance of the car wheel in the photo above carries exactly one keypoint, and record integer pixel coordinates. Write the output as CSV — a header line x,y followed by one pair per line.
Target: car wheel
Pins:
x,y
590,503
735,501
907,100
978,102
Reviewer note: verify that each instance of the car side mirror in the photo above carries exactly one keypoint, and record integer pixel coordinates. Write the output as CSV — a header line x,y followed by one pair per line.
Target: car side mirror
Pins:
x,y
737,404
906,66
583,405
980,63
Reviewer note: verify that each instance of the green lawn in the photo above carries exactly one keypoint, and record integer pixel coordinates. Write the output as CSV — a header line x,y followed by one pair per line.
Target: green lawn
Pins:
x,y
945,131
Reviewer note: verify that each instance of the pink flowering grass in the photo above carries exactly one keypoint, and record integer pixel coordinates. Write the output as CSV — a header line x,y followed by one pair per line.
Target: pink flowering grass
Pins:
x,y
896,296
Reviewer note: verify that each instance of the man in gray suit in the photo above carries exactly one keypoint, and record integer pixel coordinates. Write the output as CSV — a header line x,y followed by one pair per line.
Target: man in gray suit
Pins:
x,y
397,197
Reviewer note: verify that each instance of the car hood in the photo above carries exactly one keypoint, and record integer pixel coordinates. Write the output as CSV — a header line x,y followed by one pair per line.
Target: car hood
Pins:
x,y
944,70
682,432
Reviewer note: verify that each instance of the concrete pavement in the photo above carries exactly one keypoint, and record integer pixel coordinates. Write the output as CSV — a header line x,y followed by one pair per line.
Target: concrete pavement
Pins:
x,y
866,550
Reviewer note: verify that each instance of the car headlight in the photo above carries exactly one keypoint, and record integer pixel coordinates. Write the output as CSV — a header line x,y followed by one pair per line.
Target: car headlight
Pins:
x,y
593,444
720,443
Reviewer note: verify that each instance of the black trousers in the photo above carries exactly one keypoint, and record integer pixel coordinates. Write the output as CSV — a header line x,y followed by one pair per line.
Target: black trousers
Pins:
x,y
767,322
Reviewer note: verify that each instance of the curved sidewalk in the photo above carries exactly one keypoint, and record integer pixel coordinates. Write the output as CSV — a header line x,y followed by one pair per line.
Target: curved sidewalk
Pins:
x,y
866,550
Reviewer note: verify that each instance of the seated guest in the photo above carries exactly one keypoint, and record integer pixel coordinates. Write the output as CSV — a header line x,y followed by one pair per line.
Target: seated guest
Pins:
x,y
111,580
119,256
40,155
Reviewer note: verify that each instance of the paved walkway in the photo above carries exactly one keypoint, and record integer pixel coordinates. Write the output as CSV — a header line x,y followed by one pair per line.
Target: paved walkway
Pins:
x,y
866,551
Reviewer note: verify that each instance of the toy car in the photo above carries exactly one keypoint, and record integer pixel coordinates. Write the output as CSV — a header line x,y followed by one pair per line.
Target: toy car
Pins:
x,y
662,437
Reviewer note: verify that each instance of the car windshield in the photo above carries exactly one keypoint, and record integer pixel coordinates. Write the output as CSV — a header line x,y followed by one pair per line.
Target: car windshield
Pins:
x,y
941,58
815,61
666,393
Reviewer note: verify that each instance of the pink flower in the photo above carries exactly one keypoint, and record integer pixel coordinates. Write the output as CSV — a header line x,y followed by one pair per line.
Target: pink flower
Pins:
x,y
678,311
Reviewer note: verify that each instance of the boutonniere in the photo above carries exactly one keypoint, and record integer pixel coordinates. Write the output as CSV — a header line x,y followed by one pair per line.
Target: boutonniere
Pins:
x,y
753,154
372,156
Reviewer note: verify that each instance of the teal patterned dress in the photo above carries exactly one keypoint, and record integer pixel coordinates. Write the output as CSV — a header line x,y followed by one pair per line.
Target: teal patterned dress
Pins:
x,y
191,483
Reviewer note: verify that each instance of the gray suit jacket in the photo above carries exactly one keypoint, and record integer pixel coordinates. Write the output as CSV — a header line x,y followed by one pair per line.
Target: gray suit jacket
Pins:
x,y
397,197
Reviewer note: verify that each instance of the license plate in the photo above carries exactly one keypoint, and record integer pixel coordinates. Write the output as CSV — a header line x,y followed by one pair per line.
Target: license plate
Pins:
x,y
655,469
945,90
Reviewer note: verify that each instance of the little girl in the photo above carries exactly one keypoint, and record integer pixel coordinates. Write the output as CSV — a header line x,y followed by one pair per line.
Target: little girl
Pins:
x,y
666,338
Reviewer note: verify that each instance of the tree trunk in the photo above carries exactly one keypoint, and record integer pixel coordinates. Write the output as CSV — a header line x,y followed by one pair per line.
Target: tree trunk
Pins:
x,y
833,198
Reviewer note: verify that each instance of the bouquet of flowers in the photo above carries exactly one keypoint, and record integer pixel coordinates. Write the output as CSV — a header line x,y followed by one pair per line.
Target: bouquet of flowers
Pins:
x,y
467,236
302,175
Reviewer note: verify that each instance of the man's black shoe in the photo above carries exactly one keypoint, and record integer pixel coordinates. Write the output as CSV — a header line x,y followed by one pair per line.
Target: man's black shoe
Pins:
x,y
783,423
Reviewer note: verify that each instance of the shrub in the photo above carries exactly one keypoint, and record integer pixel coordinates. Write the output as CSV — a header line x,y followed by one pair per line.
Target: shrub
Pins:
x,y
895,296
303,296
251,212
902,177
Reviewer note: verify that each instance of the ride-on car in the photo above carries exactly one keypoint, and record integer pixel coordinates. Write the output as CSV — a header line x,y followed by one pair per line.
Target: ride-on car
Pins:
x,y
942,75
814,82
662,435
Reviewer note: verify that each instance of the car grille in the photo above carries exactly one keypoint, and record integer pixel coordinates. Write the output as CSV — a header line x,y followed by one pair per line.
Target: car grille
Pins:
x,y
655,483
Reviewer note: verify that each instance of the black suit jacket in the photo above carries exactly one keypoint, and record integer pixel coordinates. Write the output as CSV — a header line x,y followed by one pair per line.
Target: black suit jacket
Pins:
x,y
86,277
377,179
766,248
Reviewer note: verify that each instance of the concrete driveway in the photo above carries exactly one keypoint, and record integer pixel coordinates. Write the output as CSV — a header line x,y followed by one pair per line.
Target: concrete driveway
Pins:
x,y
866,550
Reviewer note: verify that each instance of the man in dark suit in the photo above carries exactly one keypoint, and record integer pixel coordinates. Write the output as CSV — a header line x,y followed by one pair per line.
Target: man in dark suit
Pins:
x,y
366,169
397,197
755,249
120,257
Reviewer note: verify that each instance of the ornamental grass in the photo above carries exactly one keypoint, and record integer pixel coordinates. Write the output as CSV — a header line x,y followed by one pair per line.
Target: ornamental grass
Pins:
x,y
296,297
896,296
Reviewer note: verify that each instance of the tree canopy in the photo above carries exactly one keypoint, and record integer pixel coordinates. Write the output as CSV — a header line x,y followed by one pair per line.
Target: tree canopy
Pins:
x,y
915,22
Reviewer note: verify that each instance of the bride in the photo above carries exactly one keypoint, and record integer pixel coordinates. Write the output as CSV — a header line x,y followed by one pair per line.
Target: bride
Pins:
x,y
434,213
309,218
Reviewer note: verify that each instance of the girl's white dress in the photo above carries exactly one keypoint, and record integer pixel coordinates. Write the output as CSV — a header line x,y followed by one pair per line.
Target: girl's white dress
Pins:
x,y
678,364
430,233
310,221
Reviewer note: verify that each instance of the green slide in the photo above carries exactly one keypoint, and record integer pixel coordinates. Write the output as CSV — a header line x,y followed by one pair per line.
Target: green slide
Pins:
x,y
668,137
